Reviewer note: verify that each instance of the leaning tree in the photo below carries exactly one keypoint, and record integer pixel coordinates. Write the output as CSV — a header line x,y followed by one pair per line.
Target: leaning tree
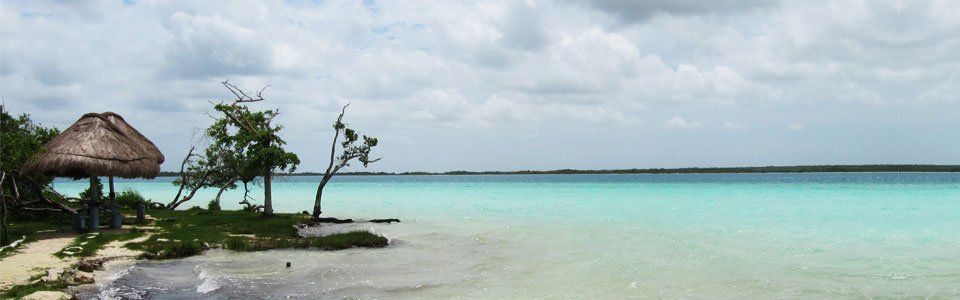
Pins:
x,y
349,150
243,145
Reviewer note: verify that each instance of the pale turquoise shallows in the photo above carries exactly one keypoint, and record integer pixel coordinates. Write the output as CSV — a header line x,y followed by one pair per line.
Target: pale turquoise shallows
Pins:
x,y
594,236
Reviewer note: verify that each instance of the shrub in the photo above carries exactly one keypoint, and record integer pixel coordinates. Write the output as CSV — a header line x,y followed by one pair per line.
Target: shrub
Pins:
x,y
339,241
130,198
87,193
213,205
173,249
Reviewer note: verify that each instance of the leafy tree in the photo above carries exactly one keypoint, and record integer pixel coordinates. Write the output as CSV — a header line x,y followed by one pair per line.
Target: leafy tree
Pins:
x,y
20,141
244,146
350,150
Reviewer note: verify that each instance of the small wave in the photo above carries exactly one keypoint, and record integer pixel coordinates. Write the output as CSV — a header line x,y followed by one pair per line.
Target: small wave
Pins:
x,y
208,285
119,274
210,281
117,293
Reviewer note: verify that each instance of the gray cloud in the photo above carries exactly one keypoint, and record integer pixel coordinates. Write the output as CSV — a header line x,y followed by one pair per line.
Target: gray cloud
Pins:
x,y
462,76
205,46
633,11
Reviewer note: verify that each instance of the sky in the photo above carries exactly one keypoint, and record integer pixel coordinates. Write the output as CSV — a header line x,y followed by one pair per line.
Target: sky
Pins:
x,y
511,85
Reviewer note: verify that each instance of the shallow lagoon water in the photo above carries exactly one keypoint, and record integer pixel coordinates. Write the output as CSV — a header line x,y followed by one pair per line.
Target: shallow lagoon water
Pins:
x,y
814,235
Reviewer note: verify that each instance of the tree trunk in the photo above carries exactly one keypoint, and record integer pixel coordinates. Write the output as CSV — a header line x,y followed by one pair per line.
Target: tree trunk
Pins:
x,y
39,189
267,195
175,204
193,191
16,191
330,171
183,175
316,203
220,193
4,239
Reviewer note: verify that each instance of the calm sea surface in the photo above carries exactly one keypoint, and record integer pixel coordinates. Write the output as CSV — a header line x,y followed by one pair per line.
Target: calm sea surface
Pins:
x,y
724,236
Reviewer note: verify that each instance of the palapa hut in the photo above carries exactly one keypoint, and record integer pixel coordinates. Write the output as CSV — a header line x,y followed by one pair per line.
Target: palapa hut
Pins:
x,y
141,141
146,146
99,145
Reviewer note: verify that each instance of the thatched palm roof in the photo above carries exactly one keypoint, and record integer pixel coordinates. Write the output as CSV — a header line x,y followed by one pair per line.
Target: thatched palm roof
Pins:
x,y
95,146
141,141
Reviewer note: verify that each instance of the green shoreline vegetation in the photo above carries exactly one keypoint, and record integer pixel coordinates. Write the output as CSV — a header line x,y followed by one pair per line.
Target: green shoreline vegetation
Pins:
x,y
184,233
890,168
244,147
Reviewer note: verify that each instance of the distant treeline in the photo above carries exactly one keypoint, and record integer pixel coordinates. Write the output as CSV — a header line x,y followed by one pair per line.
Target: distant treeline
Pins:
x,y
768,169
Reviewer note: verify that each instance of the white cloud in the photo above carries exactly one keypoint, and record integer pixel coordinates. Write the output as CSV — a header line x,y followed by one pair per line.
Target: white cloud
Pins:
x,y
795,127
486,68
732,125
678,122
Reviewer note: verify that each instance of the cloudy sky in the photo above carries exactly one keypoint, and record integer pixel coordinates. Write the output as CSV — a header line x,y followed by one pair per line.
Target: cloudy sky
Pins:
x,y
506,85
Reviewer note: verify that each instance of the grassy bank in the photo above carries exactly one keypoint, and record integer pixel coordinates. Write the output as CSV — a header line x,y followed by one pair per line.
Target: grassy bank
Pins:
x,y
184,233
35,285
189,232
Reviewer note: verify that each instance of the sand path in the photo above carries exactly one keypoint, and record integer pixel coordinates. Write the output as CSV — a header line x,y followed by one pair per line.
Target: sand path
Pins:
x,y
34,258
116,249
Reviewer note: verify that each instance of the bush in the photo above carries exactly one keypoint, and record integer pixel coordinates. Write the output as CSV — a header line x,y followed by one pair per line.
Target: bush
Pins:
x,y
130,198
87,193
339,241
213,205
173,249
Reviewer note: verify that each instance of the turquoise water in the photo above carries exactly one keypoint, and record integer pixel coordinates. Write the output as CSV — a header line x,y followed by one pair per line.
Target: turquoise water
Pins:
x,y
594,236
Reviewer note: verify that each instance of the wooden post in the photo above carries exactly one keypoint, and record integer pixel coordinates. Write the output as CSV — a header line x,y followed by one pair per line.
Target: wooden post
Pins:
x,y
115,220
113,196
94,205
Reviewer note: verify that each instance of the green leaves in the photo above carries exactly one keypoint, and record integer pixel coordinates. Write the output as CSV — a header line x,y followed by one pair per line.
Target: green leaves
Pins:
x,y
351,150
20,140
245,144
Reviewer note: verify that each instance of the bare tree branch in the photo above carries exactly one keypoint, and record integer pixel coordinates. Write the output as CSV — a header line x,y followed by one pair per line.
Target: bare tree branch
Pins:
x,y
39,189
243,97
183,175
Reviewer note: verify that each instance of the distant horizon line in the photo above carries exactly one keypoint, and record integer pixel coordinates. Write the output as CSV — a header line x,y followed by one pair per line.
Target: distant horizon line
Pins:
x,y
879,168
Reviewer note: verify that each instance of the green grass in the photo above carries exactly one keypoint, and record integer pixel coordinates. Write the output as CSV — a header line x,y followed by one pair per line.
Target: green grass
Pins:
x,y
86,245
338,241
35,285
189,232
28,229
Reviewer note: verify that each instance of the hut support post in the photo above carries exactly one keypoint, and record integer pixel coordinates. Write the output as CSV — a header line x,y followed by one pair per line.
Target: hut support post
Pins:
x,y
113,196
115,220
94,224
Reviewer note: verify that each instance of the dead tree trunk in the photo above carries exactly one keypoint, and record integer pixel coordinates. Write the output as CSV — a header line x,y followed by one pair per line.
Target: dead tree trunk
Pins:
x,y
43,198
